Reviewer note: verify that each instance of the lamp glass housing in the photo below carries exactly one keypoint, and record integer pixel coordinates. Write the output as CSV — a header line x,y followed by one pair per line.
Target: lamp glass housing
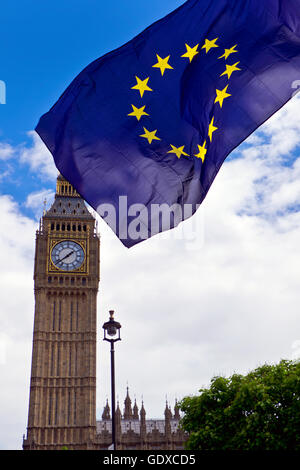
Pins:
x,y
111,328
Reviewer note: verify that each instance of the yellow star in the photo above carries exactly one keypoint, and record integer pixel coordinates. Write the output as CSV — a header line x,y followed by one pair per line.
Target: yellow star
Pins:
x,y
162,64
209,44
230,69
191,52
150,135
178,151
141,85
202,151
138,112
211,128
228,52
221,95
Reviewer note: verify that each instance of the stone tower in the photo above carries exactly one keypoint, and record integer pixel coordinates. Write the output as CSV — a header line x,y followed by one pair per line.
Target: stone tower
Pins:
x,y
62,404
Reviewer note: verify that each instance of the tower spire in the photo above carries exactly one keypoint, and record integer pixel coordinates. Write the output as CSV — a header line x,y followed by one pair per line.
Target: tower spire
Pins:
x,y
127,410
176,410
135,411
106,412
67,203
45,205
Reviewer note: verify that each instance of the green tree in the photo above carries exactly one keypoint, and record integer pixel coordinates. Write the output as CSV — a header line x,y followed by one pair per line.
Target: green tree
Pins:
x,y
258,411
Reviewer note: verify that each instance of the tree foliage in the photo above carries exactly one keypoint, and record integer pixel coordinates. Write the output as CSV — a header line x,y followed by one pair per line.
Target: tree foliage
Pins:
x,y
258,411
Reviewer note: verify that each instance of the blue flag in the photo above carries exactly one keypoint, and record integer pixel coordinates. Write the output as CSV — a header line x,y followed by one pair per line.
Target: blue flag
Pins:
x,y
142,132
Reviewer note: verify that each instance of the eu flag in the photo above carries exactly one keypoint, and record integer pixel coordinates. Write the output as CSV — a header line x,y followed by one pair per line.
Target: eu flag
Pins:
x,y
147,126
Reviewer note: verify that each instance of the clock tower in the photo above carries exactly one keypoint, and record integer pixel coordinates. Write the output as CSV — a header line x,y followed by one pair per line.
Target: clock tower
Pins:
x,y
62,404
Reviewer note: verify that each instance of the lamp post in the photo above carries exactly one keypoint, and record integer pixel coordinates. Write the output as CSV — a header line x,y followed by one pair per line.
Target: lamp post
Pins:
x,y
112,334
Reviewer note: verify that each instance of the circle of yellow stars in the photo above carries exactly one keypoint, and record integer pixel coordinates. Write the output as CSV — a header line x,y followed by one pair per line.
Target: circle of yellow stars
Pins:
x,y
163,64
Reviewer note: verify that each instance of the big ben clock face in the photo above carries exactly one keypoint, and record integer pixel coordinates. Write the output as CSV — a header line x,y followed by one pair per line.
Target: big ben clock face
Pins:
x,y
67,255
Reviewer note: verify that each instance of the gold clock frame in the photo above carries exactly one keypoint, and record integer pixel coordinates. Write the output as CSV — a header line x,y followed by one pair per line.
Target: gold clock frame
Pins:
x,y
83,242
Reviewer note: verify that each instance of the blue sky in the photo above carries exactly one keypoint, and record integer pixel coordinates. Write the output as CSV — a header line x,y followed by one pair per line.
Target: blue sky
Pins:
x,y
217,295
45,45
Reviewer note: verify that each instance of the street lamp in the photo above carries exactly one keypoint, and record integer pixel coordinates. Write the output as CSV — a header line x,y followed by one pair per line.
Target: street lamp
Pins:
x,y
112,334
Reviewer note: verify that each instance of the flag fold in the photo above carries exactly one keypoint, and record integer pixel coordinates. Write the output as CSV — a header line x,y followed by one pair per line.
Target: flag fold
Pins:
x,y
148,126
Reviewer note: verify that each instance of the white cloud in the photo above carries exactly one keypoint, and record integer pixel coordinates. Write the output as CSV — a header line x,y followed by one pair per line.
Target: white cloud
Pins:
x,y
39,200
33,153
6,151
17,236
5,174
225,305
296,350
38,157
223,301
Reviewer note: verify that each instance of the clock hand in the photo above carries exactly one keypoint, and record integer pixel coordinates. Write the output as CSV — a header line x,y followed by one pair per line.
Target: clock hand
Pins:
x,y
69,254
